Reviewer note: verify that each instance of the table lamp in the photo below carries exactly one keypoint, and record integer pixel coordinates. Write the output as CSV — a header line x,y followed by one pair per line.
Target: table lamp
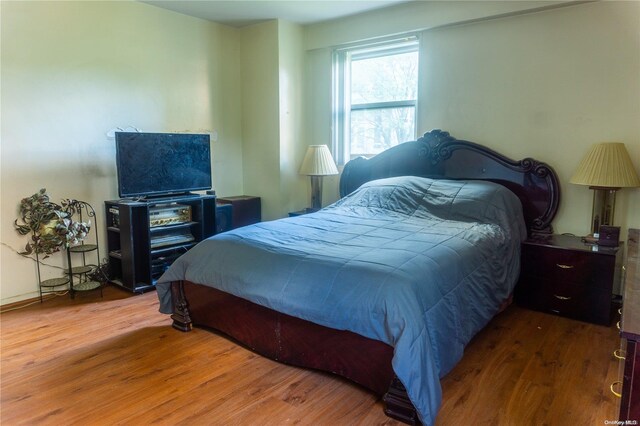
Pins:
x,y
606,168
317,163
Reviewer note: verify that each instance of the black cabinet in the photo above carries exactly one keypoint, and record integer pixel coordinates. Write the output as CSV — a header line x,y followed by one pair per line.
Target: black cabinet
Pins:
x,y
245,210
145,237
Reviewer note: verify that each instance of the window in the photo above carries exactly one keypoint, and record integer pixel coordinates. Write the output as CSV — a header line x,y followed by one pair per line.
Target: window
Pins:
x,y
375,97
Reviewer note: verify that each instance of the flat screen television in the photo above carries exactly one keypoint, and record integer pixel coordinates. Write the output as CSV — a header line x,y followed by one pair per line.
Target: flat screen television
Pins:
x,y
162,164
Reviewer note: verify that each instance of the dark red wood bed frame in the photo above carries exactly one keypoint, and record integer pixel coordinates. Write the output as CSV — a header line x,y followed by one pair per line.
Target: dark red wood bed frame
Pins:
x,y
360,359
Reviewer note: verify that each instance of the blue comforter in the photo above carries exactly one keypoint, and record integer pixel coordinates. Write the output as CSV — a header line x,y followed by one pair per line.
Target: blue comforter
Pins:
x,y
419,264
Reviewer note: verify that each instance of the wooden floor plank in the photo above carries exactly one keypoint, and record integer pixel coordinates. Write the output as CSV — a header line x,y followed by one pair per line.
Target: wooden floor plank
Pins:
x,y
116,360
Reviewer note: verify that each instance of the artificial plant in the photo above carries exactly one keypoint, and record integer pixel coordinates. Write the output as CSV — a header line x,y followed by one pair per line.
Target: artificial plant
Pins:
x,y
51,225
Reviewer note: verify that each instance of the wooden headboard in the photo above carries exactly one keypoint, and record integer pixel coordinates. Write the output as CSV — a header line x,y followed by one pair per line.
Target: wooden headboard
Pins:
x,y
439,155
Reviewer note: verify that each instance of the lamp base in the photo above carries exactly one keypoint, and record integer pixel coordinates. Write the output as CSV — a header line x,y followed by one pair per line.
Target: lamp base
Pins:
x,y
604,201
316,192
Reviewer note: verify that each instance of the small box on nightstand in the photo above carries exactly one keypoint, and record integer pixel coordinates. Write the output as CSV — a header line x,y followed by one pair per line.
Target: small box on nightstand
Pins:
x,y
609,236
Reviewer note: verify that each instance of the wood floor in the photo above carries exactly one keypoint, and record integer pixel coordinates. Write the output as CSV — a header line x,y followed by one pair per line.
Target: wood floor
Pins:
x,y
117,361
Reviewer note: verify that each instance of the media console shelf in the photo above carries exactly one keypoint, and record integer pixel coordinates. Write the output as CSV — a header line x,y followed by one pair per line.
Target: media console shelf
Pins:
x,y
145,237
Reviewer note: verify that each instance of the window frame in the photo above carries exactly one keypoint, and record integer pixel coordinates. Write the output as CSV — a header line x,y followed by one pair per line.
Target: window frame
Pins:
x,y
341,82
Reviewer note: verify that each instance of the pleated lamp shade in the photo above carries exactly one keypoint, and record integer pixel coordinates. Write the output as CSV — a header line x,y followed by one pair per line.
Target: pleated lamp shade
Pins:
x,y
607,165
318,162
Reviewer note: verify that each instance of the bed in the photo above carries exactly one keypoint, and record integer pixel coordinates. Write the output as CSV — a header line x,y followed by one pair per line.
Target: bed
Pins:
x,y
384,287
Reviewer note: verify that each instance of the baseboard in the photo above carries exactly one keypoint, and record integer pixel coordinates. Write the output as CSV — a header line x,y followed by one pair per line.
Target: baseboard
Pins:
x,y
18,304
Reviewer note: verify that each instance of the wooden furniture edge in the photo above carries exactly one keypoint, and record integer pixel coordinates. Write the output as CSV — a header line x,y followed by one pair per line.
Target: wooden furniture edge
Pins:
x,y
439,155
364,361
181,318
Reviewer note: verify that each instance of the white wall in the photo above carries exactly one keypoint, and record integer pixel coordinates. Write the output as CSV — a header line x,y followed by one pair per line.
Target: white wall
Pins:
x,y
71,71
273,119
260,114
546,85
413,16
294,192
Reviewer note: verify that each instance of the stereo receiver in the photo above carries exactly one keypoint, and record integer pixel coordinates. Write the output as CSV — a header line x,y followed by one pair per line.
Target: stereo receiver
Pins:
x,y
169,214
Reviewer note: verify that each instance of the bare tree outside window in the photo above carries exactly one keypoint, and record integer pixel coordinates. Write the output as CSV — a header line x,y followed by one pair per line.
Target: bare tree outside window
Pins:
x,y
379,91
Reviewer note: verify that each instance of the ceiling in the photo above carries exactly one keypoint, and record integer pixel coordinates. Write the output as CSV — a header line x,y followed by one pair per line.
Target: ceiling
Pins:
x,y
240,13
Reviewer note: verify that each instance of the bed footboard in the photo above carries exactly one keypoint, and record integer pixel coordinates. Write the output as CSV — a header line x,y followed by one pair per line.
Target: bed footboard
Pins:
x,y
294,341
181,318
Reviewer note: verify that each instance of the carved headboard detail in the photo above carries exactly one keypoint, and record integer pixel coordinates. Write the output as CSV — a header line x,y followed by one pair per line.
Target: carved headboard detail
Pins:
x,y
439,155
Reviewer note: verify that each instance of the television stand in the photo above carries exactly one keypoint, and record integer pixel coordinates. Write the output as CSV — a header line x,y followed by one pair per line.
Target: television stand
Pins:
x,y
146,236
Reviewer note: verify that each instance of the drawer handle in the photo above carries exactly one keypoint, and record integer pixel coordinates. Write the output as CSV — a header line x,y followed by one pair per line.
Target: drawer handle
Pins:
x,y
617,353
618,325
619,395
620,311
560,265
562,297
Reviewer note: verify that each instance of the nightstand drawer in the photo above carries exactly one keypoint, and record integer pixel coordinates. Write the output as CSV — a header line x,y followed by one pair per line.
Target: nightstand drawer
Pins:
x,y
566,298
578,301
559,266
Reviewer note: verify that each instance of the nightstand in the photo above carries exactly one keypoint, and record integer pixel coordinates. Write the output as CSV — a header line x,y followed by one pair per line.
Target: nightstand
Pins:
x,y
561,274
301,212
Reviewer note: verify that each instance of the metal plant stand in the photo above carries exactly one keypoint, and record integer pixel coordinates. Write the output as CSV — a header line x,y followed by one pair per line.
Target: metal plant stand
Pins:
x,y
52,285
79,275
